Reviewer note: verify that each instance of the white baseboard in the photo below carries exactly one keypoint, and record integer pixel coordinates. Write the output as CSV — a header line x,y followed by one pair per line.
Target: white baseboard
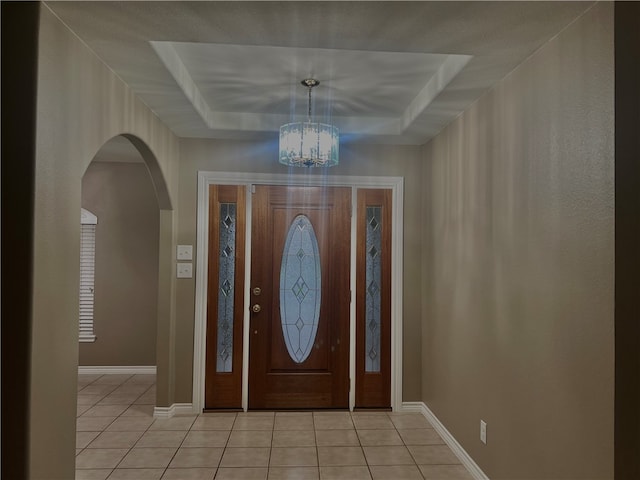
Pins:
x,y
175,409
453,444
121,370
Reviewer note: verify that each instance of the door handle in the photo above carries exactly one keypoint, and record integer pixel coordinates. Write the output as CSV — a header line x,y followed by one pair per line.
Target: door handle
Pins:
x,y
256,308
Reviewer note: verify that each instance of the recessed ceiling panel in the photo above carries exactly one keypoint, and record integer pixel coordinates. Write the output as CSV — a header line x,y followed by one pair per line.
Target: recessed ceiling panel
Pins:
x,y
359,90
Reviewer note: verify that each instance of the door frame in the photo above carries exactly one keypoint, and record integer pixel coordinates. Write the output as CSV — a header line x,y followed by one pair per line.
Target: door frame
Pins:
x,y
206,178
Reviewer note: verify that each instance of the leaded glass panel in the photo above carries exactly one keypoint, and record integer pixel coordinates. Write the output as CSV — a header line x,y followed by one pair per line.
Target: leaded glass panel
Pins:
x,y
226,282
373,263
300,283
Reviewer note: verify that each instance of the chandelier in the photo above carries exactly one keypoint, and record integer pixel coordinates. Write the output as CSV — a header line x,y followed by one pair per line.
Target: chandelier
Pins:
x,y
309,144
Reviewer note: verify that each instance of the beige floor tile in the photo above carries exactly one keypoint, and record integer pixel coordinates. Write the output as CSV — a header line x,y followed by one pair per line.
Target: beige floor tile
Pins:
x,y
433,455
337,438
293,414
93,424
388,455
87,378
129,424
85,438
197,457
137,474
294,473
112,379
80,409
118,399
245,457
130,389
93,474
204,422
293,457
409,420
368,413
138,411
344,473
256,413
206,438
142,378
100,457
115,440
175,423
148,458
105,410
253,423
189,474
148,398
161,438
379,437
294,438
84,399
78,450
249,438
98,389
395,472
372,422
445,472
340,456
332,421
242,473
293,421
420,436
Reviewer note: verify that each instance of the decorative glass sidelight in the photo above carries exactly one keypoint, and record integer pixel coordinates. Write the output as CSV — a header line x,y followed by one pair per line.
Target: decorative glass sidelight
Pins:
x,y
373,264
226,280
300,289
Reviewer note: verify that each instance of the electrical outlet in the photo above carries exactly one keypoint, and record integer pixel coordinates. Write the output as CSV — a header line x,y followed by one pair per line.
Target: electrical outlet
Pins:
x,y
483,431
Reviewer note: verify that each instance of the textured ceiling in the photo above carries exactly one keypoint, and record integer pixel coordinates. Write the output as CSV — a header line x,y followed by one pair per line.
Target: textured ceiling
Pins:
x,y
390,72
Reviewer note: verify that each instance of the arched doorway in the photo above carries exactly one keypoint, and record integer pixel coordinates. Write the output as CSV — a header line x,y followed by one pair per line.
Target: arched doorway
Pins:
x,y
124,188
119,191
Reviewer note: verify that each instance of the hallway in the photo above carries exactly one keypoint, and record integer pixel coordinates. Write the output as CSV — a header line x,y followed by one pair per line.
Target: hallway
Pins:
x,y
117,438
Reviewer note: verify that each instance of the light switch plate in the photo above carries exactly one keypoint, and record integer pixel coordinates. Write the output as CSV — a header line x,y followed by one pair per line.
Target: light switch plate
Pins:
x,y
185,252
185,270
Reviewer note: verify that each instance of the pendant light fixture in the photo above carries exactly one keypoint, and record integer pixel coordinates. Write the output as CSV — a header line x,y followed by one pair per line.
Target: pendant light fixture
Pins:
x,y
309,144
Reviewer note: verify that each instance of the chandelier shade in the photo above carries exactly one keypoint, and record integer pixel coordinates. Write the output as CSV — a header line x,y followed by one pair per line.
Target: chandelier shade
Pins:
x,y
309,144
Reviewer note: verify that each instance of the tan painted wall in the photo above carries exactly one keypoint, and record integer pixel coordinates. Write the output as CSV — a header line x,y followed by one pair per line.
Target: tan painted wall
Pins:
x,y
121,195
518,315
238,156
81,105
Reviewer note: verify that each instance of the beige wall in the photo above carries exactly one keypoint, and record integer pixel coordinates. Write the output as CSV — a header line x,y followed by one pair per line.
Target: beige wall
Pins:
x,y
121,195
242,156
518,264
81,105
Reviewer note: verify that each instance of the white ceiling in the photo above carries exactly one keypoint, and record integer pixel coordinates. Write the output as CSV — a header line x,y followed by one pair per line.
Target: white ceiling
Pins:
x,y
389,72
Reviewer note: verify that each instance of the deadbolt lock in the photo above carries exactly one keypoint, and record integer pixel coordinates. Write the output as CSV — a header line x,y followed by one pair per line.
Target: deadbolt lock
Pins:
x,y
257,291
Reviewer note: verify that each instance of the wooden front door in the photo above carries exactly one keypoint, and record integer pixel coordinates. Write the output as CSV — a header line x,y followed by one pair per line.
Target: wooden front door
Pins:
x,y
300,297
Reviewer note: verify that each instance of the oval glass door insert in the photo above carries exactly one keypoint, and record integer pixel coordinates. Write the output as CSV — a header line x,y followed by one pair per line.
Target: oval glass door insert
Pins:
x,y
300,279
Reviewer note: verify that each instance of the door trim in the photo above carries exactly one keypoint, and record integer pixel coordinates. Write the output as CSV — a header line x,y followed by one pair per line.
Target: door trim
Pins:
x,y
205,178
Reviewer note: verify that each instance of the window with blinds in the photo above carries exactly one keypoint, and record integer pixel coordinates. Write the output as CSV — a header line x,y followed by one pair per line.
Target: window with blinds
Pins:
x,y
88,222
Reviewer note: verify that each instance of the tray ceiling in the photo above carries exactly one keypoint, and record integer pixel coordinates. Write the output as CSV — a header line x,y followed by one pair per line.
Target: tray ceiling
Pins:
x,y
390,72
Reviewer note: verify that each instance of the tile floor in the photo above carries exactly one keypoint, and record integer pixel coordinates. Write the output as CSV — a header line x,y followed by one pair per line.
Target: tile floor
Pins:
x,y
118,438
